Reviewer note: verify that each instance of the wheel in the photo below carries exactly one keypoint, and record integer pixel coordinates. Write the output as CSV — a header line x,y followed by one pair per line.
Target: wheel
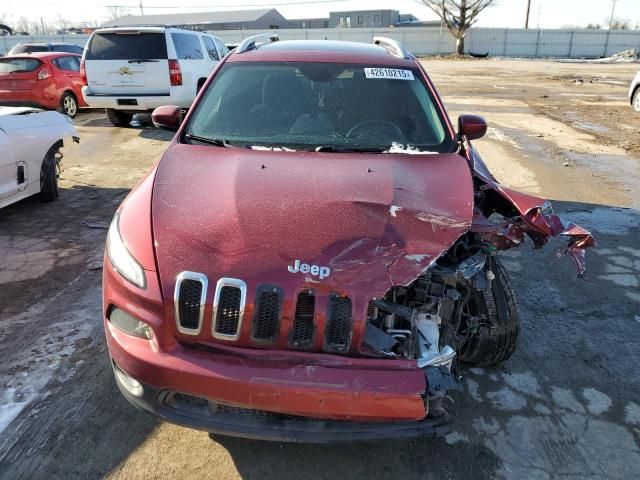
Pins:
x,y
200,84
636,100
49,177
496,335
69,104
119,118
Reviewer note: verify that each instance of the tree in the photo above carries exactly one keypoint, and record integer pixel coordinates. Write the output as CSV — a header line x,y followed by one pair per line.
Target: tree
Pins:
x,y
458,16
22,26
115,11
62,23
620,24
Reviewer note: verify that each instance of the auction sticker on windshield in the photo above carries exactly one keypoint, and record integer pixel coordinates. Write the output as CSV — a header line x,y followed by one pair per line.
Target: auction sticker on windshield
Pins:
x,y
388,73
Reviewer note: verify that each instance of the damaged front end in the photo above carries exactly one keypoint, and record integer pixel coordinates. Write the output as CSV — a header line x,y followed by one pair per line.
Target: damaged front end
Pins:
x,y
462,308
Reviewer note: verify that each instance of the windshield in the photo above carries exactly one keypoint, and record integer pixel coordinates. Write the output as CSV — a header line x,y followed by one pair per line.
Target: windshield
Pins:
x,y
321,107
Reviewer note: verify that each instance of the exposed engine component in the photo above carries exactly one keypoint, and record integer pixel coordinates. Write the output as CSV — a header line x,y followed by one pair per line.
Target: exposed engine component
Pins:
x,y
446,315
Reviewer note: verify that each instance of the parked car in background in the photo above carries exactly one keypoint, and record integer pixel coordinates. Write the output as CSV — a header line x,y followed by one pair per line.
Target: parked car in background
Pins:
x,y
634,92
315,251
136,69
49,80
45,47
30,143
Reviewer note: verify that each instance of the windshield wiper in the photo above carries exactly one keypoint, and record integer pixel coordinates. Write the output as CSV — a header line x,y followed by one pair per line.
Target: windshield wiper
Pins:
x,y
218,142
346,149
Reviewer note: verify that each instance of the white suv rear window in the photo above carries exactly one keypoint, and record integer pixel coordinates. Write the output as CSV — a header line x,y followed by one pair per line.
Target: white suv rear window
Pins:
x,y
126,46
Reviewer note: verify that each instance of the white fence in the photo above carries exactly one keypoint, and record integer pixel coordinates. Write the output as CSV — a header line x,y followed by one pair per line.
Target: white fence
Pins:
x,y
570,43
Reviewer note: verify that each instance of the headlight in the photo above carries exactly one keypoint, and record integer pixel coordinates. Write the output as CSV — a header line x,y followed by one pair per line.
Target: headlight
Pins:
x,y
121,260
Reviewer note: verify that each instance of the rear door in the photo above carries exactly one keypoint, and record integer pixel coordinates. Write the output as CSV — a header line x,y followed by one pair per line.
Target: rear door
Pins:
x,y
69,68
128,62
18,73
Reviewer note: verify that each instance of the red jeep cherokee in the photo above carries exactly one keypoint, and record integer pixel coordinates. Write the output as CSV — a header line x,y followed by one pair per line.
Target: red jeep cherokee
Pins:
x,y
314,254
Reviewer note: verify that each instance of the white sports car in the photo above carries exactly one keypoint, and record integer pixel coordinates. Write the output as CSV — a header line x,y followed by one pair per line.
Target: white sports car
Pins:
x,y
30,142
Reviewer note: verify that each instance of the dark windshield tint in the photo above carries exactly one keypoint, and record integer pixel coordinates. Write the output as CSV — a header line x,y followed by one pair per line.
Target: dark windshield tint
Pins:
x,y
125,46
68,49
330,106
17,65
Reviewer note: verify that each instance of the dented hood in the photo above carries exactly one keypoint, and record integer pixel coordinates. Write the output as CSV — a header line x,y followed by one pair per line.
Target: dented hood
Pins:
x,y
374,220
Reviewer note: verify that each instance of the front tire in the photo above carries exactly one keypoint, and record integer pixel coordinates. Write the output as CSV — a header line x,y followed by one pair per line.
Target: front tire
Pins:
x,y
49,177
69,105
636,100
496,337
119,118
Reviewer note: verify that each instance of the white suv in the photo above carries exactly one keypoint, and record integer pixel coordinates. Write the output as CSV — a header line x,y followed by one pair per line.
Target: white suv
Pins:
x,y
135,69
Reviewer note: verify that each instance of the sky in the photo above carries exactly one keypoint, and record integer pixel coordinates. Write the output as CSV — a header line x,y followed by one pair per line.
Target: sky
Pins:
x,y
507,13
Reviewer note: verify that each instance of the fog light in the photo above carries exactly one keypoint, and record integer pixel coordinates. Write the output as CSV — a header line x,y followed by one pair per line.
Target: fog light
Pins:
x,y
129,325
130,384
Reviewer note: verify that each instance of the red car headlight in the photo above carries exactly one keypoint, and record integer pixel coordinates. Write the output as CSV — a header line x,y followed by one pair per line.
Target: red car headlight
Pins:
x,y
120,258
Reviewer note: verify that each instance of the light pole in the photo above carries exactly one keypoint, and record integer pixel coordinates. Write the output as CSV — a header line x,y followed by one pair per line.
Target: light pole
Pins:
x,y
613,9
526,22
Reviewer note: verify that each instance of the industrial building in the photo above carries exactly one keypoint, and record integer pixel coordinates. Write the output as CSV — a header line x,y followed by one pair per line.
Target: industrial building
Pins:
x,y
271,19
264,19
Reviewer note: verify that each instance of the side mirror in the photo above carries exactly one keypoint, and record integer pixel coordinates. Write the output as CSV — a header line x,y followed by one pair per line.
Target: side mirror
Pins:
x,y
167,117
472,126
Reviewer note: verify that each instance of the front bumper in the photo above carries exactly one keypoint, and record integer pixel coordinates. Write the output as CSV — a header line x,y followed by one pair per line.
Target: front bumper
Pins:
x,y
281,395
198,413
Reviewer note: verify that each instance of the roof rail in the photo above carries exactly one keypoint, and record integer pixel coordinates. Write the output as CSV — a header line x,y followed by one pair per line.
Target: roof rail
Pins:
x,y
392,46
253,42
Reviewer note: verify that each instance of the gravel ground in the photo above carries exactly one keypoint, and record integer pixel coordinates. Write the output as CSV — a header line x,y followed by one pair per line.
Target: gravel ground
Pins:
x,y
565,405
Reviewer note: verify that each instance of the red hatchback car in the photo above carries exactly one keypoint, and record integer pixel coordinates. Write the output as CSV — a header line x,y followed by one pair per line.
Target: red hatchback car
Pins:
x,y
49,80
315,252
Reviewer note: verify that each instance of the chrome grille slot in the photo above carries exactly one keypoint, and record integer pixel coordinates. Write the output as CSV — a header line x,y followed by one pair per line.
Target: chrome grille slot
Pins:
x,y
337,335
189,299
266,319
301,336
228,308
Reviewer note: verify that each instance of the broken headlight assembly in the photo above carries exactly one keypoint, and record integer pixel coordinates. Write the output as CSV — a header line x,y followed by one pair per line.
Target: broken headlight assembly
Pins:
x,y
121,260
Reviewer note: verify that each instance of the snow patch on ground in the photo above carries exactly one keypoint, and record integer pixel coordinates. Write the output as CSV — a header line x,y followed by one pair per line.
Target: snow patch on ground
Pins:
x,y
597,402
50,331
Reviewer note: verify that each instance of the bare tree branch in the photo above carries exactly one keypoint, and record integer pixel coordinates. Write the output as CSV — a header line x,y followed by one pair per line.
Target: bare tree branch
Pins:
x,y
458,15
114,12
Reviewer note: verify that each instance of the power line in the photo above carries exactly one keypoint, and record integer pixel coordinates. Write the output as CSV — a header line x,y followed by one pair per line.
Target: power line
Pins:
x,y
207,6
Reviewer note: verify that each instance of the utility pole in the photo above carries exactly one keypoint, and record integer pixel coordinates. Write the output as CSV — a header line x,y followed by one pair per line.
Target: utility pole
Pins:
x,y
526,22
613,9
44,32
141,10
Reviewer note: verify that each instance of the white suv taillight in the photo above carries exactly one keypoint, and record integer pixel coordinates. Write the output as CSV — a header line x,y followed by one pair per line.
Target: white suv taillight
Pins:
x,y
83,74
175,74
44,73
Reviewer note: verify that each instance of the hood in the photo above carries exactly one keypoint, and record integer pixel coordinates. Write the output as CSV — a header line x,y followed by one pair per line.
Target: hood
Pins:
x,y
366,221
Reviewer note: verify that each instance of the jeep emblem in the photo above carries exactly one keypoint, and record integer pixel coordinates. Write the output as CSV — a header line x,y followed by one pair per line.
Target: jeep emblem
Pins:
x,y
319,271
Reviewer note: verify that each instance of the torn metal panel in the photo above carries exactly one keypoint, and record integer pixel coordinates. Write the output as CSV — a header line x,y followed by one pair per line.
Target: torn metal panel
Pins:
x,y
523,214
